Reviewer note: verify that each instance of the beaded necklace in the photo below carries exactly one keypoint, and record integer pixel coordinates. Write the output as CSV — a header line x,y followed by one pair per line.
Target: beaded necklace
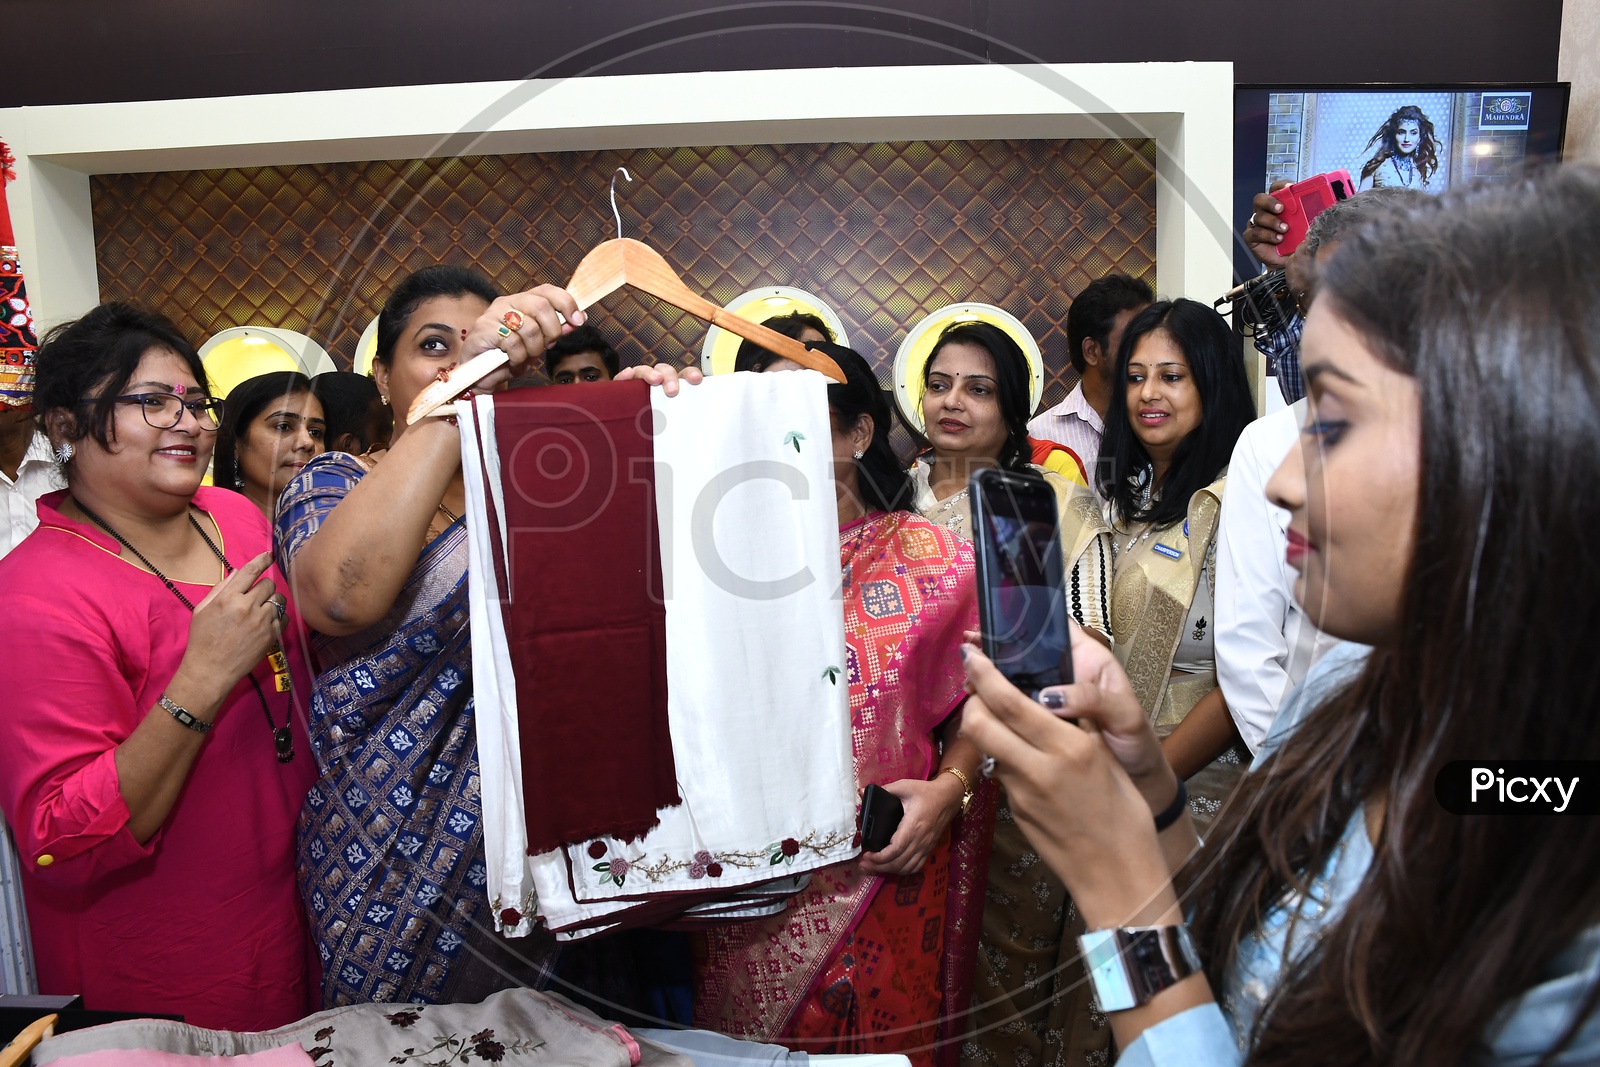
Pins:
x,y
282,736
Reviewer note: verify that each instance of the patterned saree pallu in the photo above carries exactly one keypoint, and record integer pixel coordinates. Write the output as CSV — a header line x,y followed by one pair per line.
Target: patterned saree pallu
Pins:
x,y
755,660
17,341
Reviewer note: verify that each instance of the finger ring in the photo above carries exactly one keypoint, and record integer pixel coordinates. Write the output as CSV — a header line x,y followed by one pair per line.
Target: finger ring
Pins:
x,y
281,607
986,768
513,319
503,330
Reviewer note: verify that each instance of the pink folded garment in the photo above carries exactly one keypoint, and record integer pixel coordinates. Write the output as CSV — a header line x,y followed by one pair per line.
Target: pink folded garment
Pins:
x,y
283,1056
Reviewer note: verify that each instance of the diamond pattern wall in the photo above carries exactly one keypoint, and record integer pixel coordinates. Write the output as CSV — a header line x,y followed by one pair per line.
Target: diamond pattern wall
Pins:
x,y
886,232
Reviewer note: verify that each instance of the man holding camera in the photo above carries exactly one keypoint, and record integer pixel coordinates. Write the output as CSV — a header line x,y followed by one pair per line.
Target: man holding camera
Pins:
x,y
1264,642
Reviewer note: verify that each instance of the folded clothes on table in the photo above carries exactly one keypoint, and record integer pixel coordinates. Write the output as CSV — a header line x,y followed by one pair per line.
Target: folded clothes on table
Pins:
x,y
507,1025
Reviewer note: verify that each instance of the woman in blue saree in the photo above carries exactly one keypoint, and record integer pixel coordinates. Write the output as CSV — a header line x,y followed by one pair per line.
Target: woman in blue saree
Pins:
x,y
390,847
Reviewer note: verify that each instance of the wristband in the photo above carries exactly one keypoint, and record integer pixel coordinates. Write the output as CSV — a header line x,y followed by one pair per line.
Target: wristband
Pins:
x,y
182,715
1170,815
1130,964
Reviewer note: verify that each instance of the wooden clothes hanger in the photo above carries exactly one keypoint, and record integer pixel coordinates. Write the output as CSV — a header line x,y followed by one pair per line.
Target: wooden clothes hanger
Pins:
x,y
623,261
17,1051
608,267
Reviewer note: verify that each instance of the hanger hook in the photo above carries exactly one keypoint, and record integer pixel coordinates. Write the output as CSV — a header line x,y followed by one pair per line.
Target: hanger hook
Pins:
x,y
614,212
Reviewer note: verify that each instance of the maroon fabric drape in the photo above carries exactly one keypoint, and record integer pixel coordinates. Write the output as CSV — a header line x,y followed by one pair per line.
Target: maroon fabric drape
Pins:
x,y
971,840
584,616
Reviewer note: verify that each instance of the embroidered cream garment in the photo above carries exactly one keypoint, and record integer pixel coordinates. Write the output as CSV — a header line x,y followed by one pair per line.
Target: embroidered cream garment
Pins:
x,y
757,697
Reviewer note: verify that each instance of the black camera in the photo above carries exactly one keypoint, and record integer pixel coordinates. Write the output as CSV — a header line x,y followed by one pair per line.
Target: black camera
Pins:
x,y
1263,305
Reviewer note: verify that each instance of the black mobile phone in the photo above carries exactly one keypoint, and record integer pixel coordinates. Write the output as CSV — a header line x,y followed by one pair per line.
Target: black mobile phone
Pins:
x,y
1022,603
881,812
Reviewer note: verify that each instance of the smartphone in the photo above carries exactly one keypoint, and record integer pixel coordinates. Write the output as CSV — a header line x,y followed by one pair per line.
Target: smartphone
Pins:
x,y
881,812
1305,200
1022,602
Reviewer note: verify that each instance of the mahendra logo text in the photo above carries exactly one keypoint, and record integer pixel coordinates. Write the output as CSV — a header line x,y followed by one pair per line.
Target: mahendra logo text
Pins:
x,y
1519,787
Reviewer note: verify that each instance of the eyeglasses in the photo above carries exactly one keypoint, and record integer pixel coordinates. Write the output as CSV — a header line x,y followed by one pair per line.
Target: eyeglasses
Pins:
x,y
163,411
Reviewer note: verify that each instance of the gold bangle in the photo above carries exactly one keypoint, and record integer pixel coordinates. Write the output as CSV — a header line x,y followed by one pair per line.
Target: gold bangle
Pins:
x,y
966,786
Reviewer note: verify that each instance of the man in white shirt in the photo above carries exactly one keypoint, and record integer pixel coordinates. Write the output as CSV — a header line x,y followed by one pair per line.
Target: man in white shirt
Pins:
x,y
1264,642
27,471
1095,323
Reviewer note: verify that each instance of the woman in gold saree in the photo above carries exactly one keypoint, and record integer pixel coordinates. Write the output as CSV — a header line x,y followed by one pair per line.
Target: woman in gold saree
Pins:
x,y
1028,998
1163,467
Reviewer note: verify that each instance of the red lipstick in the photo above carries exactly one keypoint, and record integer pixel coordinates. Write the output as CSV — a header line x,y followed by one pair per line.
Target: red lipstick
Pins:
x,y
1298,548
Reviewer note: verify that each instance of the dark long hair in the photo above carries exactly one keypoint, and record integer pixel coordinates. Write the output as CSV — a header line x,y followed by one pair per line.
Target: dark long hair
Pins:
x,y
752,356
244,402
348,402
1012,377
97,354
1427,156
881,475
1217,362
1489,297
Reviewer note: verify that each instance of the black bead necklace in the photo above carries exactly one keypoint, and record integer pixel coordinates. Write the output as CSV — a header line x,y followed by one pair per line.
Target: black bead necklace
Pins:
x,y
282,736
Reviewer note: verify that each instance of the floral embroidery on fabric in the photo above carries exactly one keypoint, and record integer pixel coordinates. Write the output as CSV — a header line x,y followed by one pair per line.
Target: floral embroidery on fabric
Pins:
x,y
453,1049
614,870
449,1048
831,674
794,437
705,864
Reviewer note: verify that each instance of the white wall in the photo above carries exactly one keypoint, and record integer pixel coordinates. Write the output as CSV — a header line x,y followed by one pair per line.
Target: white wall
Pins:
x,y
1186,107
1580,65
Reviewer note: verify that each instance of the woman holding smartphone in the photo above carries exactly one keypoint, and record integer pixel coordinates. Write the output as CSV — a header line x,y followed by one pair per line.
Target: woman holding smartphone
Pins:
x,y
975,407
1163,464
1443,506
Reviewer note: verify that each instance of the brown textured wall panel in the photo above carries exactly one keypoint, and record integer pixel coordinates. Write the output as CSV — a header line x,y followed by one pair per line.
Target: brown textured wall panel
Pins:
x,y
885,232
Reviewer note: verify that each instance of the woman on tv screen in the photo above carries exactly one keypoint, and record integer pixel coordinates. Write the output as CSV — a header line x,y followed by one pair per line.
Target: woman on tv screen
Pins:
x,y
1408,152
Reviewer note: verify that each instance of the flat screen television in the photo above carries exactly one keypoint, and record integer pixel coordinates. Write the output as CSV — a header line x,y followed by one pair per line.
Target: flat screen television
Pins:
x,y
1425,137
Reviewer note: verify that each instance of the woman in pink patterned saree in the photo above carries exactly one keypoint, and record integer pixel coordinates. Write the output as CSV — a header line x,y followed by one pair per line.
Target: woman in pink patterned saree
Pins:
x,y
877,952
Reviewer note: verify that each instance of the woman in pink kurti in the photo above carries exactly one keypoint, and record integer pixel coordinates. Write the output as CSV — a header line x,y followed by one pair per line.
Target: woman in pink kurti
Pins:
x,y
158,853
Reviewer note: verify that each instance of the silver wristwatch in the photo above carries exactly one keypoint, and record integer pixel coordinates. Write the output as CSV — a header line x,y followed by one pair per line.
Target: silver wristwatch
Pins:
x,y
1130,964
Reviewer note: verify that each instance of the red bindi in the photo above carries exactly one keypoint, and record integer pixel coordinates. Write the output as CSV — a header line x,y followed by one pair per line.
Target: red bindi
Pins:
x,y
463,334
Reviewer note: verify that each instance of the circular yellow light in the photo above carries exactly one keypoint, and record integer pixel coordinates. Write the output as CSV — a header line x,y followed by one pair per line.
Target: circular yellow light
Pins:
x,y
239,353
241,358
918,345
366,349
721,348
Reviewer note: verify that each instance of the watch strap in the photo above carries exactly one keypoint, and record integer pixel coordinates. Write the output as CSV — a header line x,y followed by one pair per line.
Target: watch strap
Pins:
x,y
183,716
1128,965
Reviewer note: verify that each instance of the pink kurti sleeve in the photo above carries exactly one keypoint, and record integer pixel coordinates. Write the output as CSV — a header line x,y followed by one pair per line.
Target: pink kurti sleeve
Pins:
x,y
67,710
